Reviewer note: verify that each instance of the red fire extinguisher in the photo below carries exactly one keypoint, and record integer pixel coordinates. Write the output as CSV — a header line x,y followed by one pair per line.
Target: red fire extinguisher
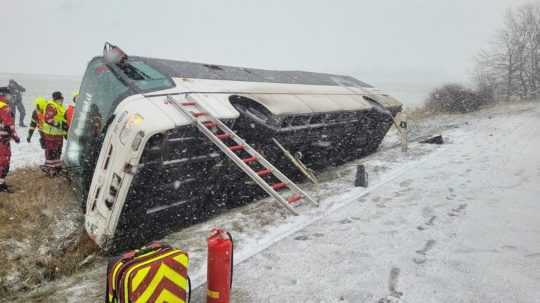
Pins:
x,y
220,266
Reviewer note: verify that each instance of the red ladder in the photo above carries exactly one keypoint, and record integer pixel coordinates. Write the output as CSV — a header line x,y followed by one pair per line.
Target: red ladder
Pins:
x,y
243,155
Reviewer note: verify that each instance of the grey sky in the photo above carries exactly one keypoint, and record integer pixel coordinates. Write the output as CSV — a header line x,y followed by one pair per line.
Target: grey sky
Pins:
x,y
383,39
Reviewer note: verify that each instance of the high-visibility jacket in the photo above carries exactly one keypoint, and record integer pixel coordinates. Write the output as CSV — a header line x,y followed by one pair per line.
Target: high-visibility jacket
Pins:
x,y
54,126
7,127
41,104
4,134
3,124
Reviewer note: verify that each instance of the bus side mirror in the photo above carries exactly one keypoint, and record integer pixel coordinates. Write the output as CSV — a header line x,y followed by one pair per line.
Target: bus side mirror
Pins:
x,y
113,54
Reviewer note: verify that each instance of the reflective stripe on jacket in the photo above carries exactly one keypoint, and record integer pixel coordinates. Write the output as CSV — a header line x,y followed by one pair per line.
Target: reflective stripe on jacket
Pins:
x,y
54,126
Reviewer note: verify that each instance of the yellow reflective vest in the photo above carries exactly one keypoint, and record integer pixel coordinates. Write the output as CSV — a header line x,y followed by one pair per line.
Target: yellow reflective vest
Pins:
x,y
41,104
57,127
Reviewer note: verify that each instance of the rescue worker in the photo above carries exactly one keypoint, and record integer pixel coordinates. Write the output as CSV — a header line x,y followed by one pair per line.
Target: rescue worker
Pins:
x,y
70,110
16,90
7,133
53,134
38,116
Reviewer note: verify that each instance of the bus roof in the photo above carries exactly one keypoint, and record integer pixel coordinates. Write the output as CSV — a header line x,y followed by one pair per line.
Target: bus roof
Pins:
x,y
185,69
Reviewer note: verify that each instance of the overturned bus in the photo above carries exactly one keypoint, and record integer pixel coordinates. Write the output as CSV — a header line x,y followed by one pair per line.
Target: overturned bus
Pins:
x,y
141,168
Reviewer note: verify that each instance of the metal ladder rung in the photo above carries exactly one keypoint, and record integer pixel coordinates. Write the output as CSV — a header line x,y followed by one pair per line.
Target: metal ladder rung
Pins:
x,y
199,114
294,198
264,172
236,147
278,186
223,136
249,160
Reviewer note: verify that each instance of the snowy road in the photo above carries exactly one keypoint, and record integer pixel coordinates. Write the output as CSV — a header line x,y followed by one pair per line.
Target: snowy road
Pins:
x,y
463,226
451,223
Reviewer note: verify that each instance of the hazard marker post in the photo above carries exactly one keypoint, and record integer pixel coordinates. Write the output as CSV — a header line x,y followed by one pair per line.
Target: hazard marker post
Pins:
x,y
402,127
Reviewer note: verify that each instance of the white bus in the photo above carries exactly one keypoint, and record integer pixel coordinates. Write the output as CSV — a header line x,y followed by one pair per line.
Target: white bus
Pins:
x,y
142,169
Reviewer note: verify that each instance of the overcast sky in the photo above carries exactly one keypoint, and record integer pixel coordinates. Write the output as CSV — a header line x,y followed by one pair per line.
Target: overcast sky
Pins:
x,y
373,40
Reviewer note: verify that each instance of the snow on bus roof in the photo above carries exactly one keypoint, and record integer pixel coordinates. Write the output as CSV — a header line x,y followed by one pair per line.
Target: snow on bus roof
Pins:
x,y
185,69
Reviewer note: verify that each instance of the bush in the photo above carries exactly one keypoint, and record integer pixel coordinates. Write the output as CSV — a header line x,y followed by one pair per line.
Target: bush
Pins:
x,y
486,94
455,98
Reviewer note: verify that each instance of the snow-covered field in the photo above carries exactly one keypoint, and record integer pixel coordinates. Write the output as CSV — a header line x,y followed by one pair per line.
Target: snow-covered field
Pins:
x,y
451,223
459,223
25,154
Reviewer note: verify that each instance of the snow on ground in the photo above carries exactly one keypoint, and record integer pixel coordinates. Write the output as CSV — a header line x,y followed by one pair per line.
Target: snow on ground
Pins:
x,y
25,154
461,225
451,223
